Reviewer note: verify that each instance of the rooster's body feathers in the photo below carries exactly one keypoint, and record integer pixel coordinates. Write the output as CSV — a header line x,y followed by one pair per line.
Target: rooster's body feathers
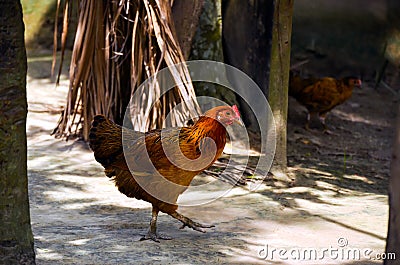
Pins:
x,y
321,95
159,165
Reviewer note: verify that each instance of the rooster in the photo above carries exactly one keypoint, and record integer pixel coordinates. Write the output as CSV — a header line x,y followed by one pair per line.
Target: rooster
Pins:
x,y
159,165
321,95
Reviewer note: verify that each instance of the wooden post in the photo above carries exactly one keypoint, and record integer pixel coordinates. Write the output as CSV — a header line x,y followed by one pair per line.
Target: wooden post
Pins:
x,y
279,77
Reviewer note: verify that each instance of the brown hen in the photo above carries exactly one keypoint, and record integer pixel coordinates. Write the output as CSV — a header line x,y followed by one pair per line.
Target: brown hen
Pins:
x,y
321,95
159,165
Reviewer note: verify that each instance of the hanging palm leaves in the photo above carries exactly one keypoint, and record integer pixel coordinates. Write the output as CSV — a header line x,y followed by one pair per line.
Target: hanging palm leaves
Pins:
x,y
118,45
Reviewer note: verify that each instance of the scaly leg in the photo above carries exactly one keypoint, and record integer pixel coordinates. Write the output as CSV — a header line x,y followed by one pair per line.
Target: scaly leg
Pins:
x,y
152,233
307,125
326,130
190,223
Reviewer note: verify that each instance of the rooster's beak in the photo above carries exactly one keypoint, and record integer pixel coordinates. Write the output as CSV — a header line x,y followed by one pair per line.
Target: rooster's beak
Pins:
x,y
359,83
238,121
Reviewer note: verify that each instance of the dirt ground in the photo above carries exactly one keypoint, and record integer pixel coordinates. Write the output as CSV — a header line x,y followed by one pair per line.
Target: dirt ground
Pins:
x,y
335,212
338,201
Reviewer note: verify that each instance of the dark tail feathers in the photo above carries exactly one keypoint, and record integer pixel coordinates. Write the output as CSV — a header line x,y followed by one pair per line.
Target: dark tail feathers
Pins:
x,y
105,139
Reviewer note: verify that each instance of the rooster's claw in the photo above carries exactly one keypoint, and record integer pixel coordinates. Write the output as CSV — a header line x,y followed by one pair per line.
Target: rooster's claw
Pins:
x,y
155,237
196,226
189,223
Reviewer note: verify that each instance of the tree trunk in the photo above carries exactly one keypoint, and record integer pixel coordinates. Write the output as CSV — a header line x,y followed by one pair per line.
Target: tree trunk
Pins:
x,y
393,236
207,45
279,77
246,39
16,240
186,15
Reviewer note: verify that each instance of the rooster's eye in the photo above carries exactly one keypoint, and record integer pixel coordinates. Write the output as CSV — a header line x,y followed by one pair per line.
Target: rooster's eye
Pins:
x,y
228,113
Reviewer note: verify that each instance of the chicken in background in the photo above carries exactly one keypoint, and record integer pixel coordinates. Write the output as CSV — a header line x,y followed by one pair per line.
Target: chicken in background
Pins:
x,y
321,95
189,147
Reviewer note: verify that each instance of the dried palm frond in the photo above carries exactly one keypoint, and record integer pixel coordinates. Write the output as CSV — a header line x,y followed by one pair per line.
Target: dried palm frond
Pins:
x,y
118,45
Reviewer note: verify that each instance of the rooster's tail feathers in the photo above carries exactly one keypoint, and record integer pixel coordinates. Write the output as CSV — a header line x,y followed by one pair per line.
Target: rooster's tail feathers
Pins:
x,y
105,139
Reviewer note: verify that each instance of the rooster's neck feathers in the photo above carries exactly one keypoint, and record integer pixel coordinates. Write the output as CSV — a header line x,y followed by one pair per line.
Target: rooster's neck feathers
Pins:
x,y
208,126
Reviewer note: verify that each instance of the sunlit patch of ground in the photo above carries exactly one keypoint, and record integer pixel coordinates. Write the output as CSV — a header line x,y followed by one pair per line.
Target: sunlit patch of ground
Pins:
x,y
79,217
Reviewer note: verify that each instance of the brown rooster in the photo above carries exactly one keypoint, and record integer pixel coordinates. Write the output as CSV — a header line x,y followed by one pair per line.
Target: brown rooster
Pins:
x,y
159,165
320,96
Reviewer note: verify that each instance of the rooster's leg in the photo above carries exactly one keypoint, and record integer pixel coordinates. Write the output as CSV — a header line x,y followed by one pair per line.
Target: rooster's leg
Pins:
x,y
307,125
152,233
322,118
190,223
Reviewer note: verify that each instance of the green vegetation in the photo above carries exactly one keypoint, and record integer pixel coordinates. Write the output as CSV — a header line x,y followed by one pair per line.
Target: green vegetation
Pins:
x,y
39,22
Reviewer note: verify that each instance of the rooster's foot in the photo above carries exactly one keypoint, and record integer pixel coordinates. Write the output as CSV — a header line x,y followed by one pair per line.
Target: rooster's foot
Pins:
x,y
196,226
312,131
329,132
190,223
155,237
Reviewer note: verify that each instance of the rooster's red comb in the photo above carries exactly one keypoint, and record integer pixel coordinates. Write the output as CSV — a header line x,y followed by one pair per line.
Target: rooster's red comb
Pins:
x,y
236,110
